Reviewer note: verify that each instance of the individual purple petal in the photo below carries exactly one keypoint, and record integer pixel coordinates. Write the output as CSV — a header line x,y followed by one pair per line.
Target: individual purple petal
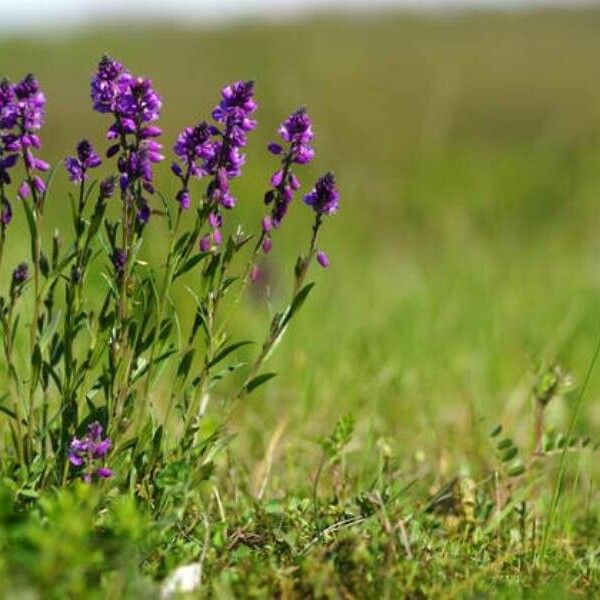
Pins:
x,y
275,148
104,472
267,245
322,259
24,191
205,243
277,178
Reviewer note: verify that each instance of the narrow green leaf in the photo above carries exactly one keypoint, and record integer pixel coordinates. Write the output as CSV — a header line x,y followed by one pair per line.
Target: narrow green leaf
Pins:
x,y
259,380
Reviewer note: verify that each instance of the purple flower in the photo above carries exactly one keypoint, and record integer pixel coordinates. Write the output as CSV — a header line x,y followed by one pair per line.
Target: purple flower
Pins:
x,y
89,451
324,197
195,147
119,260
86,159
24,191
183,197
107,187
143,214
267,245
205,243
20,274
322,259
5,213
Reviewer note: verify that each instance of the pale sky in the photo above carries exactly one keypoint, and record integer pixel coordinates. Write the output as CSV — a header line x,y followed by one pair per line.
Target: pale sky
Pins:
x,y
54,15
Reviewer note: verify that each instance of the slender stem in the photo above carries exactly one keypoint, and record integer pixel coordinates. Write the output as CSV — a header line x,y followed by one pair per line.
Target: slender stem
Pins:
x,y
37,251
302,267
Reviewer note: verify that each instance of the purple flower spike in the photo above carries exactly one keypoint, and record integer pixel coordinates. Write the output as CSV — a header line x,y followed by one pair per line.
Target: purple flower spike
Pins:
x,y
31,104
90,451
324,197
297,132
134,104
322,259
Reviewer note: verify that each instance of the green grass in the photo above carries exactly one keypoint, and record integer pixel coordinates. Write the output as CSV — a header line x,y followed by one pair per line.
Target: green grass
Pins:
x,y
466,255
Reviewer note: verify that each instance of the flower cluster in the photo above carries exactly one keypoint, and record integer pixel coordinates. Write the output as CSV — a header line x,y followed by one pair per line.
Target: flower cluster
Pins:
x,y
79,165
134,104
22,108
90,453
324,197
214,150
20,275
297,132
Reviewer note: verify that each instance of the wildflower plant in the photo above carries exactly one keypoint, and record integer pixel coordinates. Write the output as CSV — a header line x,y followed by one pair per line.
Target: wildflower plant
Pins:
x,y
118,382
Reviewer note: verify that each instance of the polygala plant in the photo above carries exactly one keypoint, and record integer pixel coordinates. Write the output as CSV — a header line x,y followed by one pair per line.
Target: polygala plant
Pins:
x,y
98,324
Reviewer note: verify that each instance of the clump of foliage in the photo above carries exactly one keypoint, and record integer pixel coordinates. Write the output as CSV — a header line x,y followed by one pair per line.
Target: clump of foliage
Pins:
x,y
79,405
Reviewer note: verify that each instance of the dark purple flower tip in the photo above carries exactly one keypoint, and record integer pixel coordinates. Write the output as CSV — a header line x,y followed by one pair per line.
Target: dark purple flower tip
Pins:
x,y
184,199
119,260
76,274
217,237
107,187
5,213
176,169
205,243
277,178
267,245
143,214
324,197
10,161
267,224
294,182
104,472
275,149
269,197
322,259
20,274
112,150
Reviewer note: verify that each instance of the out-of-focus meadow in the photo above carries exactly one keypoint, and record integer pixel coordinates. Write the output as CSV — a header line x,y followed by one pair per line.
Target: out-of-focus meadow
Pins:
x,y
467,250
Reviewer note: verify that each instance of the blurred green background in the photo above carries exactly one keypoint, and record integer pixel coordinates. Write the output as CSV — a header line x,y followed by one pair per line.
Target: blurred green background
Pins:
x,y
467,248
